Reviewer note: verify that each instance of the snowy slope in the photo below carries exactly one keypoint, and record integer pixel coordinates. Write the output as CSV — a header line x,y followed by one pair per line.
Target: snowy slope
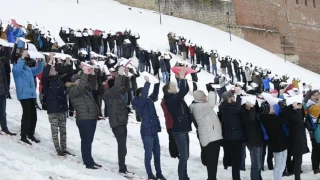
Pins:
x,y
18,161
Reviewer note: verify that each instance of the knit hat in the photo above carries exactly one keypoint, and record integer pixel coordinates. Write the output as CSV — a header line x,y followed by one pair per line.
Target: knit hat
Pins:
x,y
198,94
226,95
265,109
75,77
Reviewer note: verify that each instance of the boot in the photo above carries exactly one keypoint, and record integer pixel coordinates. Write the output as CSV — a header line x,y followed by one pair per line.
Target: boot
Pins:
x,y
25,140
91,167
97,165
161,177
32,138
9,133
60,153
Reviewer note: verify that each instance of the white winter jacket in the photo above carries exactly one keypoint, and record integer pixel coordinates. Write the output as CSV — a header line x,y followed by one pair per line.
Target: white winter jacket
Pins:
x,y
209,126
248,73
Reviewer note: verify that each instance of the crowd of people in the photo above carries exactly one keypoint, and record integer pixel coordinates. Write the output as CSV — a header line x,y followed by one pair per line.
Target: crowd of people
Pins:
x,y
75,86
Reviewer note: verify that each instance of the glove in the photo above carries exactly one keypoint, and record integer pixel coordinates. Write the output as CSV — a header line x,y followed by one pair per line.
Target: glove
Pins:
x,y
238,91
209,87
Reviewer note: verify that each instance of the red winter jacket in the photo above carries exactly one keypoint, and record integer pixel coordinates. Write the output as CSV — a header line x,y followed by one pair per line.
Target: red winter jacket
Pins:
x,y
167,116
39,76
191,50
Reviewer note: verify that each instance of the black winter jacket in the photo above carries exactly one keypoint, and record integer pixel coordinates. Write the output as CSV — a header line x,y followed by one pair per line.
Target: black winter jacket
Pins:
x,y
233,126
252,127
179,109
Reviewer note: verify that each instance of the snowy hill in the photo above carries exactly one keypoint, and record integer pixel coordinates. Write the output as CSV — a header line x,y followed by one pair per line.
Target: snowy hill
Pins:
x,y
40,162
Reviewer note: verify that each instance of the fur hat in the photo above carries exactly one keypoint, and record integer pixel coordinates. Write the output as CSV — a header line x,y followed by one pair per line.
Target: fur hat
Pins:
x,y
226,95
198,94
75,77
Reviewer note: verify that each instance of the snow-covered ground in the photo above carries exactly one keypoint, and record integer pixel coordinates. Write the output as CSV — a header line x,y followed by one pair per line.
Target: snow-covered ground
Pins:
x,y
21,162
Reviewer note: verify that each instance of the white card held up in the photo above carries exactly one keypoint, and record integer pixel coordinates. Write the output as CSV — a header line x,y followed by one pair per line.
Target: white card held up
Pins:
x,y
23,39
35,55
106,70
294,99
32,47
90,66
251,99
270,99
4,43
152,79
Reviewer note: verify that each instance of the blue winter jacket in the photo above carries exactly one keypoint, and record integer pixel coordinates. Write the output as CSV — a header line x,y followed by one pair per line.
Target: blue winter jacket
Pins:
x,y
10,34
179,109
150,124
24,79
55,91
266,83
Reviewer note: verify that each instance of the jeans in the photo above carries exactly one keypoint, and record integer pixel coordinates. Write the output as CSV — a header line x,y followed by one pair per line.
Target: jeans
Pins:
x,y
214,69
119,51
3,115
126,97
315,154
165,77
208,67
212,151
101,49
132,49
29,117
151,145
231,76
256,165
89,52
141,67
243,156
87,129
120,132
192,59
280,159
182,141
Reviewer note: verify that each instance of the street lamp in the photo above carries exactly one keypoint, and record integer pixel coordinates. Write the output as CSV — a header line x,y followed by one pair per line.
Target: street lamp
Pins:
x,y
159,11
228,14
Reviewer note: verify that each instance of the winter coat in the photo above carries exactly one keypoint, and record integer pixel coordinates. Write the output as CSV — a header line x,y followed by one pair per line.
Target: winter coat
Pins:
x,y
233,126
63,36
298,139
110,40
296,83
266,83
133,79
94,42
276,84
206,59
87,40
278,140
209,126
154,61
167,115
178,108
252,127
54,91
133,40
126,51
24,79
144,104
248,73
3,34
81,99
229,67
213,57
63,68
223,63
191,50
115,104
168,65
4,86
141,56
82,43
147,58
11,34
163,66
119,40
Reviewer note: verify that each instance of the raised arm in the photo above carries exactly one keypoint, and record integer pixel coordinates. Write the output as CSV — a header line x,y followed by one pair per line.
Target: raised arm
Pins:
x,y
45,74
155,93
37,70
17,68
